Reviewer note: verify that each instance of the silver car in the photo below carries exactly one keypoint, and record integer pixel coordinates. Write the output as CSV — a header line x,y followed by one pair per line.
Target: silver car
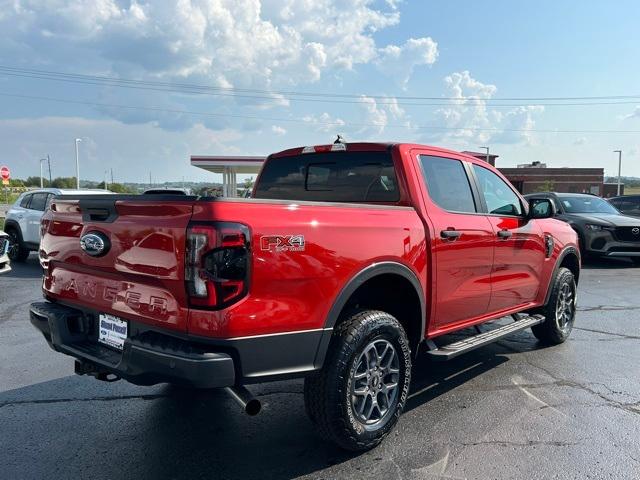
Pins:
x,y
23,219
4,250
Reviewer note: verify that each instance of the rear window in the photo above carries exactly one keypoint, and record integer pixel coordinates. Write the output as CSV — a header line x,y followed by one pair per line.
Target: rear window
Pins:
x,y
38,201
330,177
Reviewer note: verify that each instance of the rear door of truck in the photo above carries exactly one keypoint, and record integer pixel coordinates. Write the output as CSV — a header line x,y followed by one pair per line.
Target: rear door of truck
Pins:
x,y
139,272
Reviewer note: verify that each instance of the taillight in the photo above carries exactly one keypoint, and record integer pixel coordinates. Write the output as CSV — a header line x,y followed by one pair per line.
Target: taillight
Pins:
x,y
217,263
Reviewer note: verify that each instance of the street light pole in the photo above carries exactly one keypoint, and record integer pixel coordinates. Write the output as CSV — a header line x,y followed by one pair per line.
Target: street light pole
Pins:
x,y
487,149
78,140
41,180
619,152
49,164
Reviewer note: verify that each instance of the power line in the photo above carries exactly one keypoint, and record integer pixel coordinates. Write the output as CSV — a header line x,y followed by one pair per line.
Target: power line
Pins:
x,y
276,96
306,120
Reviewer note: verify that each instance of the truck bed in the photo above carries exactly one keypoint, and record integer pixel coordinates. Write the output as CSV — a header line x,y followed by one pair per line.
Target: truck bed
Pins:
x,y
301,254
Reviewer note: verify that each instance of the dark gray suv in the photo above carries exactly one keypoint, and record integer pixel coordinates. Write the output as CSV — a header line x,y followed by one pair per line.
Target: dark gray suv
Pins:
x,y
602,230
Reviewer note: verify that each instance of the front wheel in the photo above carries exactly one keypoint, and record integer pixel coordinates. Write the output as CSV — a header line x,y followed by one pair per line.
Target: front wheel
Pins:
x,y
560,310
358,396
18,252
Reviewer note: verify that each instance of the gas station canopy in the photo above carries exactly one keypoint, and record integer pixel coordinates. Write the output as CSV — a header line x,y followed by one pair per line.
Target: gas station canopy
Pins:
x,y
229,166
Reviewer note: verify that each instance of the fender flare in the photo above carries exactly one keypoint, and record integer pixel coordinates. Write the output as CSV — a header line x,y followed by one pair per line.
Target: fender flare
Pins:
x,y
12,224
355,282
563,254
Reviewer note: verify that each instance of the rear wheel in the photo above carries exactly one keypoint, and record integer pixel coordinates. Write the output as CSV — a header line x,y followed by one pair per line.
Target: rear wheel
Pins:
x,y
560,310
18,252
358,396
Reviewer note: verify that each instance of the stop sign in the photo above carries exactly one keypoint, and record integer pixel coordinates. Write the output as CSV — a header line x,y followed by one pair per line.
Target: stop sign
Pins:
x,y
5,173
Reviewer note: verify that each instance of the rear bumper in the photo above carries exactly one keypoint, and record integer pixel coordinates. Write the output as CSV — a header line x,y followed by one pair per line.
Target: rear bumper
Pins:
x,y
152,355
144,360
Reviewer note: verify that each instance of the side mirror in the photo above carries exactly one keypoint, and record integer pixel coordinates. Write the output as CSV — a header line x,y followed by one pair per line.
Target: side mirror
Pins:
x,y
541,208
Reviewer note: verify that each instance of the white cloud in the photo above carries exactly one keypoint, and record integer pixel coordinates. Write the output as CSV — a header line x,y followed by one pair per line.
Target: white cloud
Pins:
x,y
580,141
252,44
378,113
401,60
226,42
469,120
634,114
277,130
518,125
324,122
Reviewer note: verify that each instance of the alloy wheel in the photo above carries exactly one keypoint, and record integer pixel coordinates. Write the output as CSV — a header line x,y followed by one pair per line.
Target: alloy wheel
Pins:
x,y
374,384
565,306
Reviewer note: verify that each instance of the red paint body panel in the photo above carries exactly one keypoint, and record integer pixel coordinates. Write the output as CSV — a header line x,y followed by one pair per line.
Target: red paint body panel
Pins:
x,y
295,290
142,275
464,282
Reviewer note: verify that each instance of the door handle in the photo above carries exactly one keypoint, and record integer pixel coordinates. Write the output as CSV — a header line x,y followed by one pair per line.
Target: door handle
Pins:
x,y
505,234
450,234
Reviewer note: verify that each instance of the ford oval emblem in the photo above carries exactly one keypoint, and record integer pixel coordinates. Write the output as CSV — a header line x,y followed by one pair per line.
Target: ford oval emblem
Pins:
x,y
95,244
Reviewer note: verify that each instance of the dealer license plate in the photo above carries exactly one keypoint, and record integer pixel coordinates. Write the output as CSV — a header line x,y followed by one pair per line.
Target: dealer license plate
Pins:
x,y
112,331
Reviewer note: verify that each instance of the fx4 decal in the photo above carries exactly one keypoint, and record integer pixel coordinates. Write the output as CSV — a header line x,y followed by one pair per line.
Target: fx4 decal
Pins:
x,y
282,243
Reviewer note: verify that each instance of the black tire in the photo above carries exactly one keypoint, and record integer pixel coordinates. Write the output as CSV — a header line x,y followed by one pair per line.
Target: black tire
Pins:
x,y
18,252
560,310
330,400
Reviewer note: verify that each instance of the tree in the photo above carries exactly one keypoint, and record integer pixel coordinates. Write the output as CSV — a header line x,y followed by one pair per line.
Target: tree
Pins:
x,y
16,182
32,182
547,186
116,187
63,182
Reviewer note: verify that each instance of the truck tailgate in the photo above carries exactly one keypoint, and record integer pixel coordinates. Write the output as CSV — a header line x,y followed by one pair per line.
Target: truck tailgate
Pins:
x,y
140,273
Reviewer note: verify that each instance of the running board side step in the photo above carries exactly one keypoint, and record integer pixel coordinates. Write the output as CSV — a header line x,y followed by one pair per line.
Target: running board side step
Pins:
x,y
447,352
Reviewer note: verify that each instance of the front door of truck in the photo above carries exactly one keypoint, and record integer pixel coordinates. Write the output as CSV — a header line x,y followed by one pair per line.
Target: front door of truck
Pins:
x,y
519,244
462,241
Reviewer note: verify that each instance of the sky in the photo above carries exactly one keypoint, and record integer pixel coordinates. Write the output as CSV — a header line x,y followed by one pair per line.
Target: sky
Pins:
x,y
147,84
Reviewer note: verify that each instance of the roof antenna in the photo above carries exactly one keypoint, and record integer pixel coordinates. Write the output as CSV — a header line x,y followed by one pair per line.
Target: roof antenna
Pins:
x,y
340,139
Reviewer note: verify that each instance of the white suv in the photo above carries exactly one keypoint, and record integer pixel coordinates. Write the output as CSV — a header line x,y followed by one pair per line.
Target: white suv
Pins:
x,y
23,219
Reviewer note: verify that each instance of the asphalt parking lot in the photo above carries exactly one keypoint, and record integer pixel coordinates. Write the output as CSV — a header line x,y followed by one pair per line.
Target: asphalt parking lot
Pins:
x,y
511,410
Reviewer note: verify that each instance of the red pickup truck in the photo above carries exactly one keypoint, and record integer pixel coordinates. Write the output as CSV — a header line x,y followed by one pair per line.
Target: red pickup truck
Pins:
x,y
347,262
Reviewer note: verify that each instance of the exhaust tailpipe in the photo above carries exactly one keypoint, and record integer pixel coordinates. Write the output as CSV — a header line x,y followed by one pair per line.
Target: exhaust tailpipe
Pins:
x,y
245,399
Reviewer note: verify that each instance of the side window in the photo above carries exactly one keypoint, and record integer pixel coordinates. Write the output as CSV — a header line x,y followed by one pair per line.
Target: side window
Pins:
x,y
38,201
24,203
501,200
627,205
448,184
49,200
